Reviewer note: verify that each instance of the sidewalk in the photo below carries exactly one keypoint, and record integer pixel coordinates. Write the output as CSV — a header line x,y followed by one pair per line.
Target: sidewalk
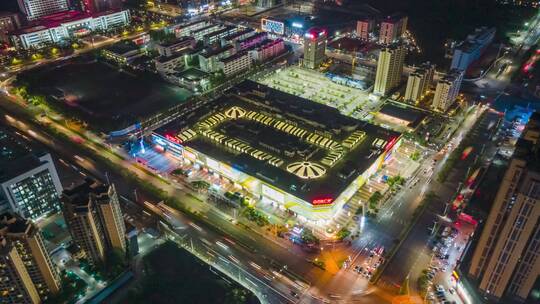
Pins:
x,y
401,164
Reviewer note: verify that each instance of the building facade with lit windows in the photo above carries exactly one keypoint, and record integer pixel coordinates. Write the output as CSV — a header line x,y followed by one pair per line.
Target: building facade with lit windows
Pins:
x,y
16,286
94,219
236,63
472,48
30,187
364,28
30,246
447,90
35,9
286,151
62,26
505,264
419,82
389,69
392,28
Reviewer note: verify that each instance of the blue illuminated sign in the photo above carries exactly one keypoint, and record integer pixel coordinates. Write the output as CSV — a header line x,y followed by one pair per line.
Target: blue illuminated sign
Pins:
x,y
272,26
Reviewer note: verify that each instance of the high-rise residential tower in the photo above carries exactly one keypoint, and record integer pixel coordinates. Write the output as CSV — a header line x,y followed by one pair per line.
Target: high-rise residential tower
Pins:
x,y
314,47
28,242
392,28
16,286
389,69
364,27
506,261
447,90
94,218
419,82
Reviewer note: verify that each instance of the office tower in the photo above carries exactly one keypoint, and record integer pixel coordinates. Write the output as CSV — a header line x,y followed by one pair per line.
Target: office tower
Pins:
x,y
506,260
8,23
28,242
314,47
447,90
389,69
94,218
392,28
34,9
16,287
97,6
29,184
419,82
364,28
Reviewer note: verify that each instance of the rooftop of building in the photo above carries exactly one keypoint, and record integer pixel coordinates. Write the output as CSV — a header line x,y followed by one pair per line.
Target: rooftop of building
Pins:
x,y
176,41
102,96
395,17
256,36
209,52
392,47
424,67
413,116
266,43
16,157
192,74
122,47
468,46
482,33
256,114
233,57
205,28
452,75
220,31
79,195
194,23
163,59
238,34
316,32
11,223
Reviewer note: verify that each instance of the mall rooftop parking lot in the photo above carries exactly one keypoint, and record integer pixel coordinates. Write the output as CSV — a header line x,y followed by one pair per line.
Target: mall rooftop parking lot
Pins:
x,y
300,147
315,86
105,97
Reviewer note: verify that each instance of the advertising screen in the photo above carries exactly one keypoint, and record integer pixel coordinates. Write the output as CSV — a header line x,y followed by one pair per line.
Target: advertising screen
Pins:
x,y
272,26
273,194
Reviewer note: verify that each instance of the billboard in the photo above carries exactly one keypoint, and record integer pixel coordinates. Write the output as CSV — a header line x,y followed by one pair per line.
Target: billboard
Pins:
x,y
272,26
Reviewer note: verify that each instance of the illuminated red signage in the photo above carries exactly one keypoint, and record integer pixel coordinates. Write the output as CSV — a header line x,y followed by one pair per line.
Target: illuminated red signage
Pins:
x,y
172,138
390,144
322,201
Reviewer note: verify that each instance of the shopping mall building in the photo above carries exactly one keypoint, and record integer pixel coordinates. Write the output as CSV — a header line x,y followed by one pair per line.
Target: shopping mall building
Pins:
x,y
287,151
